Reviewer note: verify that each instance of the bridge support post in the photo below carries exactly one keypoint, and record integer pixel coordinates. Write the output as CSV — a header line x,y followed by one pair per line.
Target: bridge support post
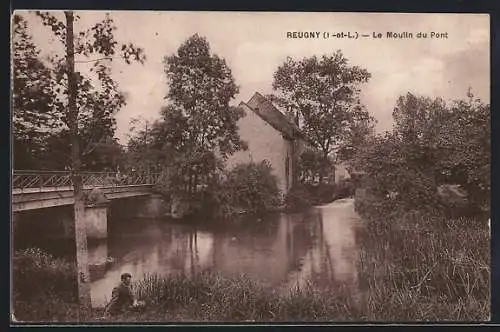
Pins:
x,y
96,218
151,207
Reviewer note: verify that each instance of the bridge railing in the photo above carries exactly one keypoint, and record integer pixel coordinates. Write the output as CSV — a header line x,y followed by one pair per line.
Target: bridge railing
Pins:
x,y
43,179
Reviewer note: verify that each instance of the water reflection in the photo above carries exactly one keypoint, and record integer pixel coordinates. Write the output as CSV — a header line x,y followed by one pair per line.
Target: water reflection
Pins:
x,y
283,250
333,257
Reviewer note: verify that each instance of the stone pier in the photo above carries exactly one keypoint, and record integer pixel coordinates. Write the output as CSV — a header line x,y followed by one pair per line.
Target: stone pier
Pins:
x,y
58,222
96,220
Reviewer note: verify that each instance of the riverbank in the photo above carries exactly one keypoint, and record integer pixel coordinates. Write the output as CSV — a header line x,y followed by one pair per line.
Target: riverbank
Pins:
x,y
207,297
423,265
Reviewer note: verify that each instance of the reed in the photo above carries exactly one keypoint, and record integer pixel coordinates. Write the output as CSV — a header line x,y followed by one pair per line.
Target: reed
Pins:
x,y
425,267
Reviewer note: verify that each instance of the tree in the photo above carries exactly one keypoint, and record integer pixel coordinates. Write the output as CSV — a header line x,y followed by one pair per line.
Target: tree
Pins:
x,y
453,140
322,96
465,149
433,143
97,103
76,96
40,90
145,149
34,115
360,134
419,118
202,125
106,155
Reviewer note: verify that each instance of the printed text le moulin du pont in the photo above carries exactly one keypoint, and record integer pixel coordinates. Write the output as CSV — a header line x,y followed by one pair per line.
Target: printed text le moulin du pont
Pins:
x,y
373,35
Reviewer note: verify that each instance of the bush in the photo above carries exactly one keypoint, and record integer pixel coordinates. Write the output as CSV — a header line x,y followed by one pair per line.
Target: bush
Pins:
x,y
36,274
247,188
299,197
44,288
323,192
217,201
306,195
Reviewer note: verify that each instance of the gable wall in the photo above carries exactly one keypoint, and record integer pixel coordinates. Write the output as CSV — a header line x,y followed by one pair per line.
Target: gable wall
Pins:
x,y
264,142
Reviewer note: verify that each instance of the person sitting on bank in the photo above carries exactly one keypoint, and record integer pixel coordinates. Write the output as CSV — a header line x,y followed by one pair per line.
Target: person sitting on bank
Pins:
x,y
122,297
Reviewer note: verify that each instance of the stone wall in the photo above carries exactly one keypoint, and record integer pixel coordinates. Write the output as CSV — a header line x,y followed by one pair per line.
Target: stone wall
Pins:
x,y
264,142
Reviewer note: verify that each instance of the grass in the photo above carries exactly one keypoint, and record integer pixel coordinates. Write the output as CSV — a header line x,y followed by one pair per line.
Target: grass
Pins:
x,y
212,298
412,267
425,267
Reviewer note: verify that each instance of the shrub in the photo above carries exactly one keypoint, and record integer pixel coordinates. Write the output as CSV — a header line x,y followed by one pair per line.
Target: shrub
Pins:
x,y
36,273
44,287
306,195
249,188
299,197
218,201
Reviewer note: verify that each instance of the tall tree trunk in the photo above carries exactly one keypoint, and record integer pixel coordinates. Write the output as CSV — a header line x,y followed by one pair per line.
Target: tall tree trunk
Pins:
x,y
79,205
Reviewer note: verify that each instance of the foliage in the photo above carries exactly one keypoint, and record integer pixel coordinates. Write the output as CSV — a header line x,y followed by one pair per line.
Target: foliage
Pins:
x,y
98,97
104,155
309,165
33,98
37,274
200,88
323,95
249,188
388,170
254,186
198,129
186,176
299,197
432,144
145,151
208,296
304,195
359,135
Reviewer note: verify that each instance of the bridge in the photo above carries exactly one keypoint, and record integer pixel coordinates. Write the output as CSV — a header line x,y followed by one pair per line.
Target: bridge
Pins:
x,y
34,190
43,189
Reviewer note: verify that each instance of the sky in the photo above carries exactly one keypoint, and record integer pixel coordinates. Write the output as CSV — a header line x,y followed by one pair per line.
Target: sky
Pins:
x,y
255,44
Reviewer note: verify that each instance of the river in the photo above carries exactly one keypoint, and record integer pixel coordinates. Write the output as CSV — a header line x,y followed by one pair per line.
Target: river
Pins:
x,y
282,249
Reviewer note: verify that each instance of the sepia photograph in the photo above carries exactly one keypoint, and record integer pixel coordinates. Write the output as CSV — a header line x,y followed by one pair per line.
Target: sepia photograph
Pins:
x,y
251,167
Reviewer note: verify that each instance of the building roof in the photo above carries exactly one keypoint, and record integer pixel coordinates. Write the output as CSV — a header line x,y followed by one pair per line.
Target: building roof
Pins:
x,y
269,113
